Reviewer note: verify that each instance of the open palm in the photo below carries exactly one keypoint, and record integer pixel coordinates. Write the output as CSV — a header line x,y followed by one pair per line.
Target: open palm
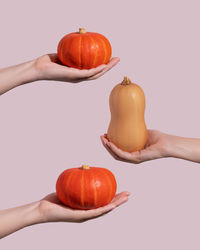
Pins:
x,y
155,148
50,68
52,210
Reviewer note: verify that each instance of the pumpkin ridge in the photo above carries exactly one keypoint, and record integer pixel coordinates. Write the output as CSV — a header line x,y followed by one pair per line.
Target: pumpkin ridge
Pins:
x,y
95,54
70,55
82,187
105,50
80,52
95,189
105,174
61,54
67,187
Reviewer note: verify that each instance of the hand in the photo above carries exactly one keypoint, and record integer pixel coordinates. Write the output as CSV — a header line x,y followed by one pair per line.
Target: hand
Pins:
x,y
156,147
48,67
52,210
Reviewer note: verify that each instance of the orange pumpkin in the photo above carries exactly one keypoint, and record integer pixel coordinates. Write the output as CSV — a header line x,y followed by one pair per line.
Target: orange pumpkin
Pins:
x,y
86,187
84,50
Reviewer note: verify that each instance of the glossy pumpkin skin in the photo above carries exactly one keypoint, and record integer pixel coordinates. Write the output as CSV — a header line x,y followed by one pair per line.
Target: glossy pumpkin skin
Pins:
x,y
127,129
84,50
86,188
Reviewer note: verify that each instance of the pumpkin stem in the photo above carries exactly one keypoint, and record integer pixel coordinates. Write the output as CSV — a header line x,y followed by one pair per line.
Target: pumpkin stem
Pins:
x,y
85,167
82,30
126,81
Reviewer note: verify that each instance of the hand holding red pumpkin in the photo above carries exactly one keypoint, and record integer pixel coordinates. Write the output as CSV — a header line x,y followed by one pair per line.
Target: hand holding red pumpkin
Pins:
x,y
52,210
48,67
95,62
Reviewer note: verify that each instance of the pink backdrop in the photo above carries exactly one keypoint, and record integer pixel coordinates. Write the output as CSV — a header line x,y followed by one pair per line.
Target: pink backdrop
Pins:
x,y
47,127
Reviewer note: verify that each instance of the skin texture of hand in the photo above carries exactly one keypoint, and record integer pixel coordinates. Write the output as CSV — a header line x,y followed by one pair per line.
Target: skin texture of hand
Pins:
x,y
158,145
50,209
154,148
48,67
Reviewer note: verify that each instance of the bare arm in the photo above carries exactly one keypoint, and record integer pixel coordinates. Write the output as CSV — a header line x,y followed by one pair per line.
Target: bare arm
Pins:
x,y
13,219
50,209
184,148
14,76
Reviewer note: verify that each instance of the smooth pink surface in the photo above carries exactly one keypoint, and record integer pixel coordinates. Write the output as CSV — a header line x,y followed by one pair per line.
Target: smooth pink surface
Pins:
x,y
47,127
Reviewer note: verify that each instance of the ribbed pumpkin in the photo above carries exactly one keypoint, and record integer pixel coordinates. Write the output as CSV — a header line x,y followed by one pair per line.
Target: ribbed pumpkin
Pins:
x,y
127,129
86,187
84,50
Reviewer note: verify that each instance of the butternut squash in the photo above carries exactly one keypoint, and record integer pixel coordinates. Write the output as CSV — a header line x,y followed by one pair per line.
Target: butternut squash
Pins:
x,y
127,129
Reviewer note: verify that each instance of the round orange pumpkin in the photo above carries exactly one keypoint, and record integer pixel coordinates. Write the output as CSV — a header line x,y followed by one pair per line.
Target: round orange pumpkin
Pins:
x,y
86,187
84,50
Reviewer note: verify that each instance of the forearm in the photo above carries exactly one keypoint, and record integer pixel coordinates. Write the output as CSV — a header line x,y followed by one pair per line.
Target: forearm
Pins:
x,y
184,148
14,76
13,219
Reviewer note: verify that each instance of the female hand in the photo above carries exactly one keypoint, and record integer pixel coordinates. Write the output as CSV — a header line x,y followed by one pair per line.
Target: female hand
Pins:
x,y
156,147
52,210
50,68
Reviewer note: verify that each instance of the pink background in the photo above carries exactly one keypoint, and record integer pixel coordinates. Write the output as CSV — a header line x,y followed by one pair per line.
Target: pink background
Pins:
x,y
47,127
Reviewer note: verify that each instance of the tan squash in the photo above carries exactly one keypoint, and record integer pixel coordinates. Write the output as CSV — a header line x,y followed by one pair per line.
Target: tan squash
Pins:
x,y
127,129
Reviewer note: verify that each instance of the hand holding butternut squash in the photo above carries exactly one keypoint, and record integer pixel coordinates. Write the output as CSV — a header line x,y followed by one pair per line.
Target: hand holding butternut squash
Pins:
x,y
127,129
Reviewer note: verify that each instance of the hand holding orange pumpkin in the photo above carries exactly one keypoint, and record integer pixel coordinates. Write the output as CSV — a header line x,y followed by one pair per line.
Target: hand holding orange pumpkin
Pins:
x,y
52,210
48,67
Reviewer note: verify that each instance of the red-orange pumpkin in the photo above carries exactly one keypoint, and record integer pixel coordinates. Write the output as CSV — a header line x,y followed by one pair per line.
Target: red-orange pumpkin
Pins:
x,y
84,50
86,187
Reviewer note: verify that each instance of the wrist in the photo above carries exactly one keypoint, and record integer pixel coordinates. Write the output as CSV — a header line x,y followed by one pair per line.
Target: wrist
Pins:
x,y
31,214
41,67
29,72
180,147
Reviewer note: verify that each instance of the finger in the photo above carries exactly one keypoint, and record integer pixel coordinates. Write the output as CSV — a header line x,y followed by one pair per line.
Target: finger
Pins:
x,y
116,157
104,140
108,67
146,154
120,153
119,196
89,214
120,201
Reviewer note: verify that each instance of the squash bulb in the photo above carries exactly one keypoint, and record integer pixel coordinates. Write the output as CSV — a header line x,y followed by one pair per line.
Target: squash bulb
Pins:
x,y
127,128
